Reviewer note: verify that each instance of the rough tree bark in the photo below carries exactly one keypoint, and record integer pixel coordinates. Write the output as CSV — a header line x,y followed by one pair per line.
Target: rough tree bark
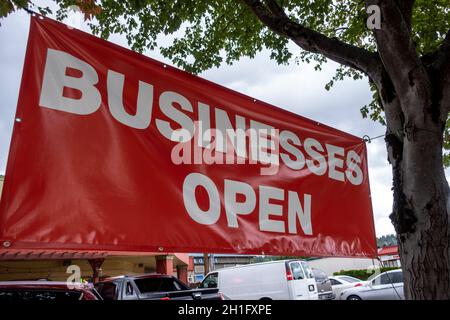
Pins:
x,y
415,95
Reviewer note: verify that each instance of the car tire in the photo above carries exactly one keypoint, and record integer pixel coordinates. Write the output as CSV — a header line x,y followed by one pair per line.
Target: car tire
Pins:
x,y
353,297
265,299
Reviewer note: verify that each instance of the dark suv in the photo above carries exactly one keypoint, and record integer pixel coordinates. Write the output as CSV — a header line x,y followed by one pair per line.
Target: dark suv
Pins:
x,y
152,287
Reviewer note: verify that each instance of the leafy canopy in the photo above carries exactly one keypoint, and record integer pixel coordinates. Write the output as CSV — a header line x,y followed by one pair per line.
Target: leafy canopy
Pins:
x,y
207,33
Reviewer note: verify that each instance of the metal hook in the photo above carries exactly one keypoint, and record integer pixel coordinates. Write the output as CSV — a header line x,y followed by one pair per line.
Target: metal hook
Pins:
x,y
367,139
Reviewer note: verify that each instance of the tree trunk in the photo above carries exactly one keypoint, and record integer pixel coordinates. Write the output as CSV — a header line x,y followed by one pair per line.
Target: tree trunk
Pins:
x,y
420,209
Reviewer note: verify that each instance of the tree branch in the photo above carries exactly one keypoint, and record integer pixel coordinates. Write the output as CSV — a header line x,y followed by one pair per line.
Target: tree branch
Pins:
x,y
397,50
442,64
437,64
275,8
390,102
273,16
406,7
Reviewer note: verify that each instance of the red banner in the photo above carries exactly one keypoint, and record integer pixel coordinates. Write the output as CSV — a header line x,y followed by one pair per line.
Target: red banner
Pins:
x,y
112,150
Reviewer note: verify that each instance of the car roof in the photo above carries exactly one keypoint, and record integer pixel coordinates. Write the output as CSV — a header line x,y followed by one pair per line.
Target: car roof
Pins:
x,y
256,264
390,271
373,276
345,276
139,276
44,283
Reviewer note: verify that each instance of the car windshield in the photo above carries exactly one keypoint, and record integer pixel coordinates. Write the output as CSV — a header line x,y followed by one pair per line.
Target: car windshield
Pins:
x,y
108,290
349,279
146,285
373,277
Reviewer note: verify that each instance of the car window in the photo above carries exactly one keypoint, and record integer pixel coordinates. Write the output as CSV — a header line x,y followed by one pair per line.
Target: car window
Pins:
x,y
181,285
146,285
211,281
397,277
335,282
39,295
384,278
297,271
130,293
307,270
107,290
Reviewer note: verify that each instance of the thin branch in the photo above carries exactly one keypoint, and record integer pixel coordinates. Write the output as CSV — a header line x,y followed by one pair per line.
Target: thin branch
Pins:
x,y
273,16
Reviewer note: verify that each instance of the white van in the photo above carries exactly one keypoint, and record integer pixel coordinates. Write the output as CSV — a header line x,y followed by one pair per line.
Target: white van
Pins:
x,y
274,280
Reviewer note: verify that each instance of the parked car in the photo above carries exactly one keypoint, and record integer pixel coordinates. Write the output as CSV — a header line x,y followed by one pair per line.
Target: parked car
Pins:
x,y
323,285
385,286
341,283
152,287
46,291
274,280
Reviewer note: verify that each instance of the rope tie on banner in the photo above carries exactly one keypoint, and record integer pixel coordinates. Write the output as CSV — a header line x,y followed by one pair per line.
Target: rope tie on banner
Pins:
x,y
368,139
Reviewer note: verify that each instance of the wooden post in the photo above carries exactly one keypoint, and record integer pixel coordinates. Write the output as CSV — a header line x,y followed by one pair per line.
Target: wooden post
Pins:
x,y
96,267
206,263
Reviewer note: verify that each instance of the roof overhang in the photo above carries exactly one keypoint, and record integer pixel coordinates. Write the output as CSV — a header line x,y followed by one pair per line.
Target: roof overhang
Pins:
x,y
36,254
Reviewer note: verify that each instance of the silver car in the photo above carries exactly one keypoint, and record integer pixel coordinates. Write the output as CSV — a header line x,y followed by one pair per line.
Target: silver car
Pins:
x,y
385,286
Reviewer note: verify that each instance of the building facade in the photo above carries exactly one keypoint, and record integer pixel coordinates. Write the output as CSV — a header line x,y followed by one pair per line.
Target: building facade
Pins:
x,y
389,256
217,261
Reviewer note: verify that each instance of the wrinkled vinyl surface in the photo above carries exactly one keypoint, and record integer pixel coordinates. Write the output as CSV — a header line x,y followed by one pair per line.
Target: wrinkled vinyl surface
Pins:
x,y
89,181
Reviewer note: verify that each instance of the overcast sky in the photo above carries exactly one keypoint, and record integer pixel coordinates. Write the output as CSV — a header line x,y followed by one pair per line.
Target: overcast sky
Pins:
x,y
297,88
